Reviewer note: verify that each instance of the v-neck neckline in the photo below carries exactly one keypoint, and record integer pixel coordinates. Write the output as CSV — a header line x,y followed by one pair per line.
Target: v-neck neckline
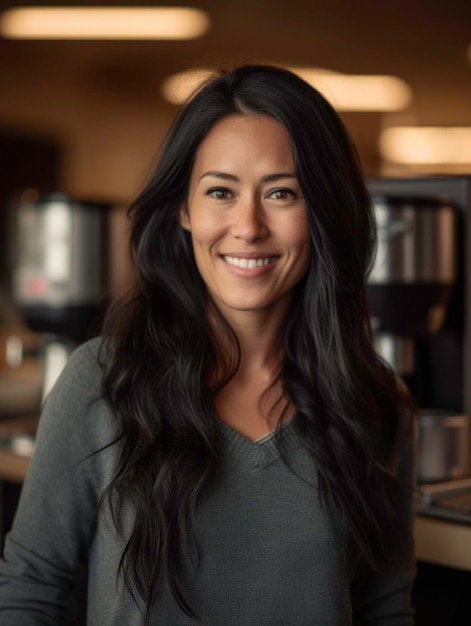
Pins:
x,y
262,453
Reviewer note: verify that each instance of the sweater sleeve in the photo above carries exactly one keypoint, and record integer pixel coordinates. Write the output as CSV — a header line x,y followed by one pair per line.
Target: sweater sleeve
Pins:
x,y
56,515
383,597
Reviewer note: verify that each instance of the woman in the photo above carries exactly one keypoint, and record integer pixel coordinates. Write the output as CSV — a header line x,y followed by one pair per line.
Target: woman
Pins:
x,y
232,452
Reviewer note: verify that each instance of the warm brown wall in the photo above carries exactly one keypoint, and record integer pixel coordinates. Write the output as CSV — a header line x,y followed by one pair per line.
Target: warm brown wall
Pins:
x,y
108,140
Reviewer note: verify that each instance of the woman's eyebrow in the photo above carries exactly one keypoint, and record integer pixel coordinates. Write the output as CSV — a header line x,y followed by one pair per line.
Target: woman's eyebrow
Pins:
x,y
222,175
269,178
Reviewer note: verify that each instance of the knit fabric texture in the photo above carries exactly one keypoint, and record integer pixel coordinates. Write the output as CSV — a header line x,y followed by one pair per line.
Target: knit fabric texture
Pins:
x,y
269,553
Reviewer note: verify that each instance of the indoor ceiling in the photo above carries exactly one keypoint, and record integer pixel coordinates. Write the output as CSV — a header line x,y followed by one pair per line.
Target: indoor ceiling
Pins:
x,y
423,42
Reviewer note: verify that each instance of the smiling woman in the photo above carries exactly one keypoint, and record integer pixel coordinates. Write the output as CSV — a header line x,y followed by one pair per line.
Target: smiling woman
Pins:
x,y
248,221
231,451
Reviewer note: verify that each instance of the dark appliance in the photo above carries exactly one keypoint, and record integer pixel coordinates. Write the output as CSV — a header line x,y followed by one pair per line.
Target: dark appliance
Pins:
x,y
441,376
420,304
57,279
413,276
59,272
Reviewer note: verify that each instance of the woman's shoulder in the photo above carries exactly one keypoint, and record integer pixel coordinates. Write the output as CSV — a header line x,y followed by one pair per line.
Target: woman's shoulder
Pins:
x,y
85,364
90,352
78,390
76,411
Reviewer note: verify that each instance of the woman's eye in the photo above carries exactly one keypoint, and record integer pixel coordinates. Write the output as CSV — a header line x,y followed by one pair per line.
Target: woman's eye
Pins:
x,y
282,194
220,193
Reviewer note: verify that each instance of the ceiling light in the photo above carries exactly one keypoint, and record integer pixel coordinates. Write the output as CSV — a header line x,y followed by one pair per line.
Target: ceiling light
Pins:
x,y
177,88
103,23
345,93
426,145
358,92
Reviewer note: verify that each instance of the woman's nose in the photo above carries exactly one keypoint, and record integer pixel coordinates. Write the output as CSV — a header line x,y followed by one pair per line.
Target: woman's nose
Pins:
x,y
249,221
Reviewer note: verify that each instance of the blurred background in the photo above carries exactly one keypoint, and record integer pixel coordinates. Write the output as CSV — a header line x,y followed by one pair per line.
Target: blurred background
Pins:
x,y
100,103
91,114
82,120
87,116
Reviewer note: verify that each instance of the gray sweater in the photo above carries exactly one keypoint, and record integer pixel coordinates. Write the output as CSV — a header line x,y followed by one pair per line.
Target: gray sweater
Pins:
x,y
269,554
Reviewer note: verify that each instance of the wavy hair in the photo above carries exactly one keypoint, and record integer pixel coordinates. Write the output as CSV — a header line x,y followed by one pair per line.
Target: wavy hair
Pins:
x,y
162,360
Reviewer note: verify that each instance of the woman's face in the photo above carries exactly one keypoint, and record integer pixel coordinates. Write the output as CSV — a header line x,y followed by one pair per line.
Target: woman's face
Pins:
x,y
246,215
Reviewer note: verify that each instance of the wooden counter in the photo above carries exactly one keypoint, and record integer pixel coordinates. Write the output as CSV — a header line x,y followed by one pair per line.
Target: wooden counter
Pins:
x,y
13,467
443,543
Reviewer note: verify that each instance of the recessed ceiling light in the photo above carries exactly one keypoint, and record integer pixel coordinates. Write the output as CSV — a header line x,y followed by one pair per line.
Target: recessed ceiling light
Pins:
x,y
426,145
344,92
149,23
177,88
348,92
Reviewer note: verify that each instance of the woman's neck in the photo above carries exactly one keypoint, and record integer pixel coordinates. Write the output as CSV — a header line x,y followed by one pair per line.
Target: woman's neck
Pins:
x,y
260,337
253,401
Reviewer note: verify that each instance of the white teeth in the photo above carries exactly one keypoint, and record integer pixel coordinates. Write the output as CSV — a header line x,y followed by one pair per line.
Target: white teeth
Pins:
x,y
248,263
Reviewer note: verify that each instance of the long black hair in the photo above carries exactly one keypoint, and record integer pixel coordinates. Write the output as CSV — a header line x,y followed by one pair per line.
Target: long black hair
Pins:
x,y
162,359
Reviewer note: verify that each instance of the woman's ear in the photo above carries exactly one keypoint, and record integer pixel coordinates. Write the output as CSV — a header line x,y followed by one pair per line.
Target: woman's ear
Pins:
x,y
184,217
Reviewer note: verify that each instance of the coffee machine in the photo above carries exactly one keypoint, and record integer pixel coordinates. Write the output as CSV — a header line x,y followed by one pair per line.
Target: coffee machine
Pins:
x,y
420,303
414,274
58,274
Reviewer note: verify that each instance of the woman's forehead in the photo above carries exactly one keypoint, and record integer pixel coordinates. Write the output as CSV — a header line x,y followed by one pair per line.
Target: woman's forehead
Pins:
x,y
237,141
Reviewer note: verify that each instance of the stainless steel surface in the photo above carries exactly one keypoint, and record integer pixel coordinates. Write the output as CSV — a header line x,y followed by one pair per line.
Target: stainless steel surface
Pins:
x,y
450,501
416,243
443,446
57,253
